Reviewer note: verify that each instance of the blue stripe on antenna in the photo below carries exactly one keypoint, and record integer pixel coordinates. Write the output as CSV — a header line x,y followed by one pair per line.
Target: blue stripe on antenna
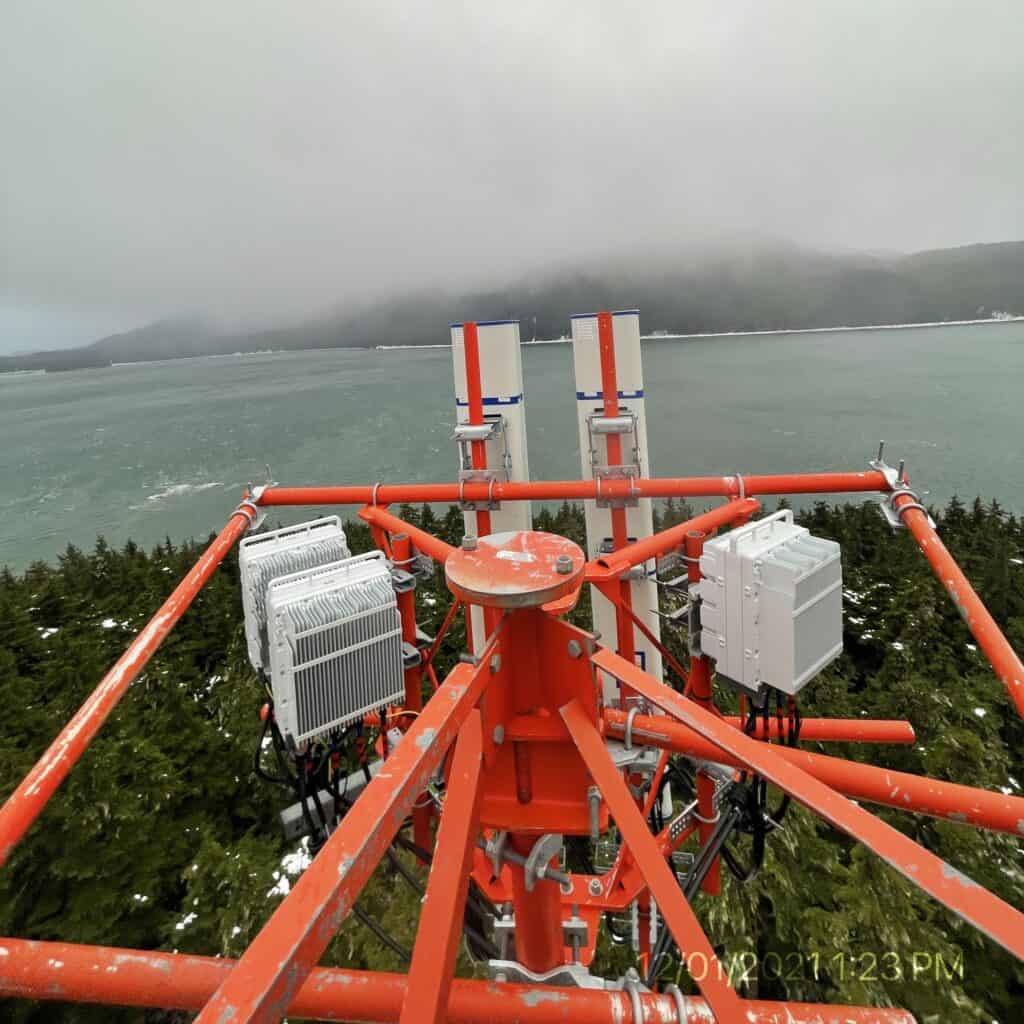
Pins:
x,y
511,400
615,312
486,323
591,396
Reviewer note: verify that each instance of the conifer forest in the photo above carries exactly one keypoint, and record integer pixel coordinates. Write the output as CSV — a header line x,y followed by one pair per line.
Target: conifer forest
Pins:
x,y
166,835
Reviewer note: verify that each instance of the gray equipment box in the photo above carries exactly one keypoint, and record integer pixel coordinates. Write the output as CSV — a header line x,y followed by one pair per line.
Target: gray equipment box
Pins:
x,y
264,557
771,608
335,637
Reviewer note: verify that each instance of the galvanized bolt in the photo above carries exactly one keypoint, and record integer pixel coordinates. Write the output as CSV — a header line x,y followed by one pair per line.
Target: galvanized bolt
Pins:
x,y
881,450
594,887
575,649
563,565
495,663
469,542
902,474
499,734
594,799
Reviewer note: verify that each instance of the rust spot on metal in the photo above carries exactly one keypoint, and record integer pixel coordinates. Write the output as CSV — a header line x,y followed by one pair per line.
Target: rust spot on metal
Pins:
x,y
948,871
156,963
536,996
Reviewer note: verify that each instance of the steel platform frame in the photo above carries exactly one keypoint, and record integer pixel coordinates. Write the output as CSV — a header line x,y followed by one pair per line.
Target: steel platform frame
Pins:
x,y
504,732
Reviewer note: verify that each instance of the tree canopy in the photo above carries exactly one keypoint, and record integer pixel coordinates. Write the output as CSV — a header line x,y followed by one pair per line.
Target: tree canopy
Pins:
x,y
163,836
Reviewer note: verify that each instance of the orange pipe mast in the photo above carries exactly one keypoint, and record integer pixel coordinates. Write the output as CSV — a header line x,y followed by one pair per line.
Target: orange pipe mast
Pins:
x,y
402,557
474,395
699,686
524,719
620,533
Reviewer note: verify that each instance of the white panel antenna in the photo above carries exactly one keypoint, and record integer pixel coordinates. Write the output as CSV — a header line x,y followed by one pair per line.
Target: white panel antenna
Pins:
x,y
594,430
335,636
264,557
503,430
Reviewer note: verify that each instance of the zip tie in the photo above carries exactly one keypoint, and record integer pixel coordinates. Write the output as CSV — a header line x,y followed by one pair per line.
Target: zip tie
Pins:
x,y
490,492
629,726
680,1000
373,496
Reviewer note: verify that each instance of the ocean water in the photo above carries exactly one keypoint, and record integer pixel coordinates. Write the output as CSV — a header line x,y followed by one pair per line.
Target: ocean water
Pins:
x,y
158,450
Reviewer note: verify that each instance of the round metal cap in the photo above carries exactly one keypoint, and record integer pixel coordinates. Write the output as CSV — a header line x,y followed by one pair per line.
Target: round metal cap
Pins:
x,y
521,569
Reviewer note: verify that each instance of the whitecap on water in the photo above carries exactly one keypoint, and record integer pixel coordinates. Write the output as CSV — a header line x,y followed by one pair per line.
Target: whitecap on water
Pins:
x,y
177,490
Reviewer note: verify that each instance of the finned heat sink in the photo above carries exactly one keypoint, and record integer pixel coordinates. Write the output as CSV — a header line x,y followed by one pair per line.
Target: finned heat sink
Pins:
x,y
265,557
335,637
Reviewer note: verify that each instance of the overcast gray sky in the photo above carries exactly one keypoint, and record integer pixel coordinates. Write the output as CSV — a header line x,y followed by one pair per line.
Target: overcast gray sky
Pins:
x,y
258,159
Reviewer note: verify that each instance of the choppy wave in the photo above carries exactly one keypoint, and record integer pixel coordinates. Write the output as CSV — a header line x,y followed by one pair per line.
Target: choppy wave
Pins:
x,y
178,490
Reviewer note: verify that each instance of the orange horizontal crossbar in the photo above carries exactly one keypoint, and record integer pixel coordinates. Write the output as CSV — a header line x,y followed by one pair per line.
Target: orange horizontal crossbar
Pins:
x,y
558,490
906,792
131,977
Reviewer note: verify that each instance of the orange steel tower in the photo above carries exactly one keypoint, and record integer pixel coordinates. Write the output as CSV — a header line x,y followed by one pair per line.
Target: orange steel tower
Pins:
x,y
517,737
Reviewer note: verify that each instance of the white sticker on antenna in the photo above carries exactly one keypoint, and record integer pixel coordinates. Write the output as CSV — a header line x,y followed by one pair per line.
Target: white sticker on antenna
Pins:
x,y
517,556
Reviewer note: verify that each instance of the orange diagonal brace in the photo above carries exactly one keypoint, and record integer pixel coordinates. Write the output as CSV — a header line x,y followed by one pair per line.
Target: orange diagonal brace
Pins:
x,y
1000,654
437,938
615,563
950,887
430,545
678,914
26,803
265,980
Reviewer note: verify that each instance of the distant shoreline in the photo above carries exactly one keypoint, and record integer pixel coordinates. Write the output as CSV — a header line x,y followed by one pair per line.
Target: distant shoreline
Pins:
x,y
751,334
830,330
657,336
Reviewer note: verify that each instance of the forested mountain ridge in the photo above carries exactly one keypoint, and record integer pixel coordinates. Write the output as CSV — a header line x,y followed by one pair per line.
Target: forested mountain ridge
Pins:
x,y
163,836
760,287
